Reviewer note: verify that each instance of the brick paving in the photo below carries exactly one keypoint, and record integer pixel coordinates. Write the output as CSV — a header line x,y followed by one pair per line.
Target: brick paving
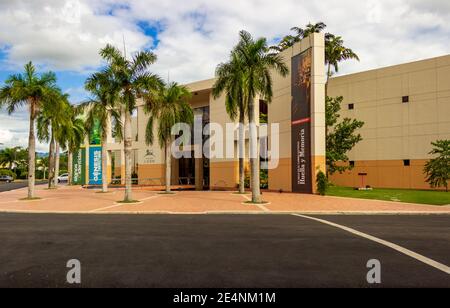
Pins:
x,y
80,200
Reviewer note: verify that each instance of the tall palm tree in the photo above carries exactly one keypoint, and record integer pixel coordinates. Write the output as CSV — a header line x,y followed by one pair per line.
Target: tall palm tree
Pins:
x,y
101,108
168,106
335,52
134,80
52,124
257,62
74,139
230,79
32,90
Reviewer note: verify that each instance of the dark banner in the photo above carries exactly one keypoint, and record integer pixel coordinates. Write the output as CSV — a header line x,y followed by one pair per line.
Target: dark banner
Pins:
x,y
301,122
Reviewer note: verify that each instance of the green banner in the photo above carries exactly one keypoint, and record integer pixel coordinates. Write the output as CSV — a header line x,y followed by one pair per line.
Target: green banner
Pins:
x,y
95,135
79,167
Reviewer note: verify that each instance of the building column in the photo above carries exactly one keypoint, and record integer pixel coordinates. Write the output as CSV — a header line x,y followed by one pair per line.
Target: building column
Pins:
x,y
122,166
198,173
318,135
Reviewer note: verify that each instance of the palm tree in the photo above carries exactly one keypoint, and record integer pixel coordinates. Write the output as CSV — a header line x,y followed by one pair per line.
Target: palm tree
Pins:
x,y
8,156
42,163
101,108
74,137
300,33
28,89
257,62
134,80
335,52
230,79
52,124
168,106
285,43
312,28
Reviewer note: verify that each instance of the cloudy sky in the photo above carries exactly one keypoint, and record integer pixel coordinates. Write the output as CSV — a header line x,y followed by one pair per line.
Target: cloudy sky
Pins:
x,y
191,37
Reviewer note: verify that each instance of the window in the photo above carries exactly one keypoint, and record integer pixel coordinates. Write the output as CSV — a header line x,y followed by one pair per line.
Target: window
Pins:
x,y
406,163
405,99
352,163
351,106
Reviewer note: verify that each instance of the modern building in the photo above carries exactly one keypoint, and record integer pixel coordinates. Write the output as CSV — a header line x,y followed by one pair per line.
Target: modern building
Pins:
x,y
404,108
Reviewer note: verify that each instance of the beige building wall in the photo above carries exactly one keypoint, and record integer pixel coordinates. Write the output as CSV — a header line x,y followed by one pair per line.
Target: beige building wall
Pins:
x,y
395,131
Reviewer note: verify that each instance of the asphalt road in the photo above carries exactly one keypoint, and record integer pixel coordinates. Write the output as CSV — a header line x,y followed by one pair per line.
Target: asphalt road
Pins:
x,y
218,250
16,185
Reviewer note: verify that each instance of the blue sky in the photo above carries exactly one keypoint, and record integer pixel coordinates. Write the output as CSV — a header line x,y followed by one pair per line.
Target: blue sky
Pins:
x,y
191,37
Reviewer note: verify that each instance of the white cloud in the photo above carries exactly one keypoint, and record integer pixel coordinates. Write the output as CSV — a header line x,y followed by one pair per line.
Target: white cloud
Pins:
x,y
14,131
196,35
5,136
62,35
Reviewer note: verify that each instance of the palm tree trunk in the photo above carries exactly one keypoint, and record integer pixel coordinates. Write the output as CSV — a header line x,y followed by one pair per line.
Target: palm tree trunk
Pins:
x,y
104,166
328,79
127,150
168,166
69,166
57,156
254,157
51,163
241,152
31,153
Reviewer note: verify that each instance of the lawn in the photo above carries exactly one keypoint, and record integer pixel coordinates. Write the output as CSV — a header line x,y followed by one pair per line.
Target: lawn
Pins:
x,y
400,195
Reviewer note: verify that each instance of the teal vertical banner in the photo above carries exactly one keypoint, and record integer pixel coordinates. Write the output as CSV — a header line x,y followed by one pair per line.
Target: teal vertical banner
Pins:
x,y
95,165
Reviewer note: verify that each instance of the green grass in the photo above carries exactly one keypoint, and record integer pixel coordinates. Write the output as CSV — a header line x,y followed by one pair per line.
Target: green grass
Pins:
x,y
399,195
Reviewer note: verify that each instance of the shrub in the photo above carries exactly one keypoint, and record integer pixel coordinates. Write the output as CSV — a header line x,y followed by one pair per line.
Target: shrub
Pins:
x,y
8,172
322,183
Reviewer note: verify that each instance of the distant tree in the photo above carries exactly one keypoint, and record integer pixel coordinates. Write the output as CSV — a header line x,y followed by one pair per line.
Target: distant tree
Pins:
x,y
9,157
341,136
437,169
42,164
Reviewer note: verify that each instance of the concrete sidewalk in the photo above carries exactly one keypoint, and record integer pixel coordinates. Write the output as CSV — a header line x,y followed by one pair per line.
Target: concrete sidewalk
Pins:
x,y
78,200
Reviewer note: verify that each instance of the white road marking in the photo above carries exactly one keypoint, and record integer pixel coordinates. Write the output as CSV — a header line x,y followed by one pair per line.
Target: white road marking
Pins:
x,y
410,253
120,204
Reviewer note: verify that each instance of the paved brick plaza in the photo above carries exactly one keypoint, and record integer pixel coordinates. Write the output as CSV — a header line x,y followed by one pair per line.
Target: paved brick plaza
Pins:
x,y
80,200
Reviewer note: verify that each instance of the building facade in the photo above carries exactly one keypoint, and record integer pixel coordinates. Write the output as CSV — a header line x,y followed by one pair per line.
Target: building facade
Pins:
x,y
297,108
404,108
